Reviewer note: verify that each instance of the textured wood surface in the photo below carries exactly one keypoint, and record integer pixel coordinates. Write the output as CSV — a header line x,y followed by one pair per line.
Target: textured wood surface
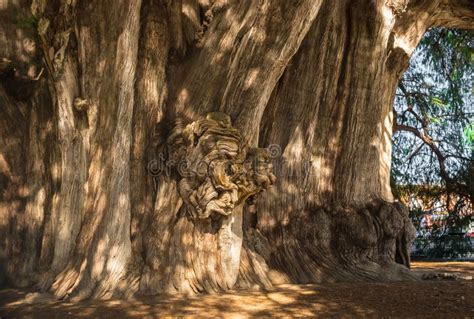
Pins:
x,y
96,95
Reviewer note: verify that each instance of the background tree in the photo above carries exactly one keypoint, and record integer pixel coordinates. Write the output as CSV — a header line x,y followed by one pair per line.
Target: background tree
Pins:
x,y
433,149
121,80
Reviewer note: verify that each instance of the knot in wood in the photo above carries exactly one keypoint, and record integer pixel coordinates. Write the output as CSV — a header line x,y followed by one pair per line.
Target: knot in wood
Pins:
x,y
216,170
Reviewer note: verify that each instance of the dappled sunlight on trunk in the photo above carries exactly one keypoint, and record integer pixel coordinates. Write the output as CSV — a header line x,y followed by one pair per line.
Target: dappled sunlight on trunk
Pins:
x,y
109,110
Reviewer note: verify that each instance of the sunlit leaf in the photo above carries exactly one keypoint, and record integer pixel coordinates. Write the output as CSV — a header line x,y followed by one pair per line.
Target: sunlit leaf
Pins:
x,y
468,133
438,102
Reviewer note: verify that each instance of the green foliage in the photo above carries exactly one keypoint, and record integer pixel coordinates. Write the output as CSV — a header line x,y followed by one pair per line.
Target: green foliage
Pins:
x,y
469,134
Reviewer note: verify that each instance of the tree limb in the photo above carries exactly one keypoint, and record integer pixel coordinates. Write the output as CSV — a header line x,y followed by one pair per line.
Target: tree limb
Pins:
x,y
457,14
450,182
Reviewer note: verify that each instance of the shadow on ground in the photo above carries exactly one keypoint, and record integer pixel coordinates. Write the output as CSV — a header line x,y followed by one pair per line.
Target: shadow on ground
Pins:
x,y
431,299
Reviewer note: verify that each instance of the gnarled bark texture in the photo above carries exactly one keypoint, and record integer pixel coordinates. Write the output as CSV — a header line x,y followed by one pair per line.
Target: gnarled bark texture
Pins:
x,y
110,110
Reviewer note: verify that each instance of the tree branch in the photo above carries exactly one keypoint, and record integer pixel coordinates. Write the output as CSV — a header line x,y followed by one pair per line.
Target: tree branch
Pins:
x,y
450,183
457,14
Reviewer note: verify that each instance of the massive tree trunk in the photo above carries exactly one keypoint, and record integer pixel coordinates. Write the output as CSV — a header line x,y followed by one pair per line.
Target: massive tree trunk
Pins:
x,y
110,110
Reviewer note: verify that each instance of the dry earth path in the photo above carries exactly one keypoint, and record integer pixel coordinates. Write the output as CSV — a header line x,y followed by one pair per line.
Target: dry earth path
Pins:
x,y
423,299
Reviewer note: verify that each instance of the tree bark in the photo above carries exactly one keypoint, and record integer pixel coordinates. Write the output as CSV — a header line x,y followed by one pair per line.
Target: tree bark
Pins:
x,y
109,108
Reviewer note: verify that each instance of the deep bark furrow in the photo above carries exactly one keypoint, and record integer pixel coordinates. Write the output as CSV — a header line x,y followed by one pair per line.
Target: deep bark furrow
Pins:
x,y
150,91
12,190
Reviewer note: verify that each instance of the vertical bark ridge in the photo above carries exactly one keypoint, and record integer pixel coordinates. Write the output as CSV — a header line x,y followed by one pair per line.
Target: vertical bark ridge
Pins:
x,y
108,41
68,168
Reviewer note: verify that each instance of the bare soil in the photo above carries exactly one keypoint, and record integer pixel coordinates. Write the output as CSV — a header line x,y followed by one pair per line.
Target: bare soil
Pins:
x,y
421,299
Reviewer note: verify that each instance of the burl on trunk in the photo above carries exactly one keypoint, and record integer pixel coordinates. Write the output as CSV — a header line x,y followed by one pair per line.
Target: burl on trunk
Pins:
x,y
215,174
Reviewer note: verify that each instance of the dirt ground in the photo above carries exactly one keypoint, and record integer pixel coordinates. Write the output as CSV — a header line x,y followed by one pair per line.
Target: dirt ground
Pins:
x,y
423,299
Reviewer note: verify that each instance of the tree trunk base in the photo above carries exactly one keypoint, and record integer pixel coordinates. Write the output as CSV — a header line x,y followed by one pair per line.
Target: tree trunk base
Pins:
x,y
322,245
330,245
